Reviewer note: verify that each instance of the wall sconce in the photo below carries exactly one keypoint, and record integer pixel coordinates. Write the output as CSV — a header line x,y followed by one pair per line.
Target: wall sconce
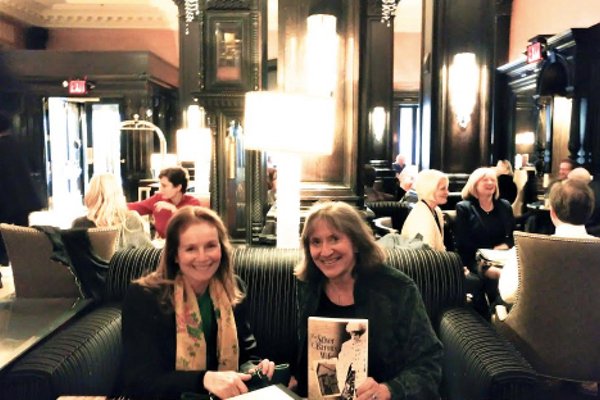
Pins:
x,y
464,86
378,122
293,125
194,144
525,138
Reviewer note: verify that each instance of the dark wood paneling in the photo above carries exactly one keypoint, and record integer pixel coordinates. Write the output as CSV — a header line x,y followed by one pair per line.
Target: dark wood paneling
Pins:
x,y
451,27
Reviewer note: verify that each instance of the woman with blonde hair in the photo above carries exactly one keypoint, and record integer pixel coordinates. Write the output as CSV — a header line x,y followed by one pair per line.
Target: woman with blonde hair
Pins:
x,y
483,220
106,207
343,275
426,217
506,184
184,325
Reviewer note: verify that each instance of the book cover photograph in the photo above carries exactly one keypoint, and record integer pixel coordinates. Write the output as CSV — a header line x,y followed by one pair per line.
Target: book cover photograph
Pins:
x,y
337,357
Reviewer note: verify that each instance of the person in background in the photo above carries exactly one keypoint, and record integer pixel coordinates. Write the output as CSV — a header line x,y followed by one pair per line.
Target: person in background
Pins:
x,y
106,206
399,164
506,184
593,223
271,185
483,220
343,274
170,197
18,196
426,217
372,194
566,165
184,325
571,205
581,174
406,180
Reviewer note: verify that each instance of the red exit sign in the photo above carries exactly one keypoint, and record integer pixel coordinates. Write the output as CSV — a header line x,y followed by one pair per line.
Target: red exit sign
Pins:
x,y
534,52
78,86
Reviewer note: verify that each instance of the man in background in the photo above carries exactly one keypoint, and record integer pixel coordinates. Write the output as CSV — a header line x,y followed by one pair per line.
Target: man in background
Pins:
x,y
566,165
399,164
593,224
571,205
18,196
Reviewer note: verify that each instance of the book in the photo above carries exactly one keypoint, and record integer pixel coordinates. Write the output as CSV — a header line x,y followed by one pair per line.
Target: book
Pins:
x,y
496,258
273,392
337,357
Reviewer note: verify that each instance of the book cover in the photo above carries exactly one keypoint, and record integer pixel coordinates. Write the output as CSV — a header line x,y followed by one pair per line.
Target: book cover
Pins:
x,y
337,357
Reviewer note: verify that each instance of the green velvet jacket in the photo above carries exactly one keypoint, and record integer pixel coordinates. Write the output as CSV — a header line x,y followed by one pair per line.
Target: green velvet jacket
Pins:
x,y
404,352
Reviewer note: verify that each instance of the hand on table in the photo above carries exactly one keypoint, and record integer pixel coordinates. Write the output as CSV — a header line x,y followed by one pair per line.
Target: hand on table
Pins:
x,y
226,384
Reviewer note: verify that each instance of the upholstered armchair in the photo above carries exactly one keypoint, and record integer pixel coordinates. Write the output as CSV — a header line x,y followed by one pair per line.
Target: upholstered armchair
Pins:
x,y
35,274
397,211
555,320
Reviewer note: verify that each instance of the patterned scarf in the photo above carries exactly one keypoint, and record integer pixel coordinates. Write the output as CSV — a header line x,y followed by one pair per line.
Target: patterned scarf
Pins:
x,y
191,345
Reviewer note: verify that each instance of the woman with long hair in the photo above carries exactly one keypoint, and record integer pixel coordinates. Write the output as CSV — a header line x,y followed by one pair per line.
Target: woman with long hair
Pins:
x,y
343,275
106,207
184,325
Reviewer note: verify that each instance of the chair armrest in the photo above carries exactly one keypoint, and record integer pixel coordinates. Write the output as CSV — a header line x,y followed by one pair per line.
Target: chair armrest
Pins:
x,y
383,226
81,359
479,363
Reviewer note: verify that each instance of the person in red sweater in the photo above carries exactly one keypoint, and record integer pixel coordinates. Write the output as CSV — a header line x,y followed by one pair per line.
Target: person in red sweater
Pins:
x,y
170,197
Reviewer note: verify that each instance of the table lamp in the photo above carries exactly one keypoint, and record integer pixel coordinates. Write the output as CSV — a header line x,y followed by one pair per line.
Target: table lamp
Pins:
x,y
292,125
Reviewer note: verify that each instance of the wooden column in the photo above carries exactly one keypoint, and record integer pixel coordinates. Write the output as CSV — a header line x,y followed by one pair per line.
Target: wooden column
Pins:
x,y
450,27
376,77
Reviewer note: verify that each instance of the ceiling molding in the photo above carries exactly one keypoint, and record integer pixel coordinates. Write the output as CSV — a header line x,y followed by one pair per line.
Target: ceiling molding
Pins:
x,y
133,14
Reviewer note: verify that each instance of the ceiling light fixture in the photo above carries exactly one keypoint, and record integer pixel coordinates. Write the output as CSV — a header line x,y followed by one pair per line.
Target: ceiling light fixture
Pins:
x,y
388,10
192,10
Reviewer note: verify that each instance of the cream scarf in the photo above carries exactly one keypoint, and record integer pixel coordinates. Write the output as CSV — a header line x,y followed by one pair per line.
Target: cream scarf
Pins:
x,y
191,345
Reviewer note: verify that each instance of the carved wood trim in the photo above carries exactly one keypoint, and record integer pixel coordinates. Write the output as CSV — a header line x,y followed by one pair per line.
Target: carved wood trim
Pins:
x,y
230,4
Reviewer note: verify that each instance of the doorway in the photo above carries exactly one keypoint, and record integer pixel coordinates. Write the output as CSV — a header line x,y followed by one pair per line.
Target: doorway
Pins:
x,y
82,138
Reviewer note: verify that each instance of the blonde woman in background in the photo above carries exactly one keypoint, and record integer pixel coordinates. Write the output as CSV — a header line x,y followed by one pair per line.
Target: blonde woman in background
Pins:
x,y
106,206
506,184
426,216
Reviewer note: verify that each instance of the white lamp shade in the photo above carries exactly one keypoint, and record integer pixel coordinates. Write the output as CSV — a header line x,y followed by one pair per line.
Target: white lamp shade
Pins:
x,y
160,161
193,144
293,123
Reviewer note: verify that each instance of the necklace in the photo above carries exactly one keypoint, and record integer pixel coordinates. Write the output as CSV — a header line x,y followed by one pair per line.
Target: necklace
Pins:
x,y
339,297
489,209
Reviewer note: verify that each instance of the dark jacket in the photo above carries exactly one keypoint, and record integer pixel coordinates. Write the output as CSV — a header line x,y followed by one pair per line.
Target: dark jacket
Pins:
x,y
507,188
149,344
18,194
404,352
472,231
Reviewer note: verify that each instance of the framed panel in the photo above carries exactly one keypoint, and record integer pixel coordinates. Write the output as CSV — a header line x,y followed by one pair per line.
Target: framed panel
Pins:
x,y
229,62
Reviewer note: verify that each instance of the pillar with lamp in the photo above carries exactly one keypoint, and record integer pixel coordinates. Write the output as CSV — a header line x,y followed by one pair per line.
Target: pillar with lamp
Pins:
x,y
292,123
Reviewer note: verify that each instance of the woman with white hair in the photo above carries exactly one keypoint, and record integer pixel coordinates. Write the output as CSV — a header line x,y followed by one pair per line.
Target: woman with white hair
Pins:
x,y
106,206
426,217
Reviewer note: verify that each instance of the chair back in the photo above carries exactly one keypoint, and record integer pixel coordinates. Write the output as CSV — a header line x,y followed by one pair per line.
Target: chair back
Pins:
x,y
556,317
398,211
35,274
